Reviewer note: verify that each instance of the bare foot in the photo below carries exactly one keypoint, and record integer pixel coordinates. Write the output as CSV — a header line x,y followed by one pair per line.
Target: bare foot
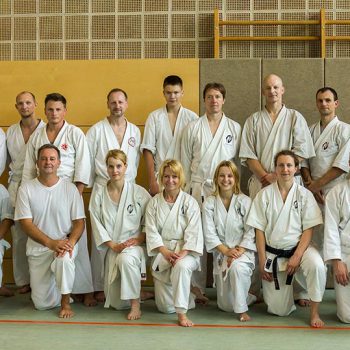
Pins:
x,y
145,295
100,296
66,311
316,322
200,297
303,302
5,292
24,289
184,321
244,317
315,319
135,312
89,299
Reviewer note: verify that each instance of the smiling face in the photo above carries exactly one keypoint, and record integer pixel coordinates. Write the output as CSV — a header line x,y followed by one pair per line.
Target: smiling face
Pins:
x,y
117,104
48,162
225,179
25,105
116,169
170,180
285,168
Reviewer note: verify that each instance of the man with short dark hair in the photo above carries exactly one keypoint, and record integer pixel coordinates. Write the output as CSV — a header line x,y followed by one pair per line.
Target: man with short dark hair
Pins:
x,y
332,146
75,166
207,141
163,130
69,139
51,212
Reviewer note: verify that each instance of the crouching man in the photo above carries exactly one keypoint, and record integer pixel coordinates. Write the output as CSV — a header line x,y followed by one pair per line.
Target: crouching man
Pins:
x,y
284,215
51,212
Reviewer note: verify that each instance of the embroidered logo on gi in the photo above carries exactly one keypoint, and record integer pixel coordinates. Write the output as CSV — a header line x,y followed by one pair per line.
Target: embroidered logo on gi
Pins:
x,y
239,212
183,210
132,141
130,208
325,146
64,146
229,138
295,204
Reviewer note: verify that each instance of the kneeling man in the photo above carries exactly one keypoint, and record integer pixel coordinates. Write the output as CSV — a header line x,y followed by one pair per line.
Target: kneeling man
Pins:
x,y
51,212
283,215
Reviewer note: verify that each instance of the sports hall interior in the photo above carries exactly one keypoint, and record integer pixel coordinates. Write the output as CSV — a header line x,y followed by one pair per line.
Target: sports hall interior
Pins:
x,y
85,48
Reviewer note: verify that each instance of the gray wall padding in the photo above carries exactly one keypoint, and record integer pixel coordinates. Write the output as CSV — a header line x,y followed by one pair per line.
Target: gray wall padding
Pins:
x,y
337,76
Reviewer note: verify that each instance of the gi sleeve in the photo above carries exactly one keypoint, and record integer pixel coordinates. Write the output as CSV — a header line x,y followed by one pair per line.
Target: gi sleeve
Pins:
x,y
331,245
149,136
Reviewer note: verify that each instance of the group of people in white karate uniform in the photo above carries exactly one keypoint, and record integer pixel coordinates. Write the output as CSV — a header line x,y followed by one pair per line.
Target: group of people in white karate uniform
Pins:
x,y
274,237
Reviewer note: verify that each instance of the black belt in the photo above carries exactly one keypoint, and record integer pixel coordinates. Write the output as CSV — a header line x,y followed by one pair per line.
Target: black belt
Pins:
x,y
280,253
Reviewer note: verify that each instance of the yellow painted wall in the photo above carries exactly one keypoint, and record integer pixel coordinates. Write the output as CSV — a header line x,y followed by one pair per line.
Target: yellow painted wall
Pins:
x,y
85,84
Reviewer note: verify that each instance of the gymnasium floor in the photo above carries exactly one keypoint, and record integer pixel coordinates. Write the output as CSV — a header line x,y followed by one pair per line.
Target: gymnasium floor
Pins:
x,y
22,327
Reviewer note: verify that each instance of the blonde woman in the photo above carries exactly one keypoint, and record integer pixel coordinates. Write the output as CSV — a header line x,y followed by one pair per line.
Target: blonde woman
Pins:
x,y
117,212
175,241
230,240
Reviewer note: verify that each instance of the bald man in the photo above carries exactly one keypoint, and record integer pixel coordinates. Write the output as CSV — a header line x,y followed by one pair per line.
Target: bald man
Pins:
x,y
267,132
17,138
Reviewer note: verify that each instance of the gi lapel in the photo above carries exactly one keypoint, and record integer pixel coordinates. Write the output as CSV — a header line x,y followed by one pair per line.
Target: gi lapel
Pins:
x,y
281,224
323,136
273,143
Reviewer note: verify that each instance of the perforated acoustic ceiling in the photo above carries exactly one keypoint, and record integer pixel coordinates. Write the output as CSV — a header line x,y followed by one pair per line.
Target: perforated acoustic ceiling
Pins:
x,y
108,29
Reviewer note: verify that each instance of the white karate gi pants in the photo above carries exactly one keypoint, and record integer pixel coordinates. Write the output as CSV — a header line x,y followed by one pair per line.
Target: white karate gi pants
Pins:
x,y
97,268
2,252
83,279
20,260
97,256
19,243
127,282
199,277
232,293
176,296
312,268
342,297
50,277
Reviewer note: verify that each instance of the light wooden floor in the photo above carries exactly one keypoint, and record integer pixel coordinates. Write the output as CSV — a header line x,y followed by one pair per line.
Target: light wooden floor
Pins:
x,y
22,327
